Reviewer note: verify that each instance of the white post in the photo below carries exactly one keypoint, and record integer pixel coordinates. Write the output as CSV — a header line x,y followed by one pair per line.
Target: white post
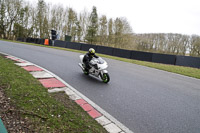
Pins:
x,y
52,42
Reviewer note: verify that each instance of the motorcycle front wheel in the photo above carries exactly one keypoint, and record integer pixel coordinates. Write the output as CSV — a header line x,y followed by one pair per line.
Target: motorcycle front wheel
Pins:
x,y
105,77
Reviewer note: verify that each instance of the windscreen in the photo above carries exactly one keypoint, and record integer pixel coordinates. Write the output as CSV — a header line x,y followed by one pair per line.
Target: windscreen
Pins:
x,y
98,60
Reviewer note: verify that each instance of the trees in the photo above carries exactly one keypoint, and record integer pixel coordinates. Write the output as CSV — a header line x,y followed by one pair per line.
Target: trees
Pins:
x,y
84,23
57,20
21,26
127,34
12,14
3,21
20,19
72,23
103,30
92,29
163,43
33,23
195,45
118,27
122,33
110,32
78,30
41,10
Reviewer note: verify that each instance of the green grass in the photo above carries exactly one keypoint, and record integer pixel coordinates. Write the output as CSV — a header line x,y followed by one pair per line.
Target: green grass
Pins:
x,y
187,71
42,110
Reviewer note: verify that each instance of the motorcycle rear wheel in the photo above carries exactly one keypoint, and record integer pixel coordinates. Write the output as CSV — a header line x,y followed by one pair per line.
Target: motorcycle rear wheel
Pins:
x,y
85,72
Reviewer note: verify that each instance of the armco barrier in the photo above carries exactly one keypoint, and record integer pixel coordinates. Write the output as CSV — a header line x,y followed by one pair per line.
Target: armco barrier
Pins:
x,y
144,56
39,41
42,41
104,50
50,42
188,61
121,53
36,40
24,40
73,45
164,58
32,40
28,39
59,43
86,47
19,39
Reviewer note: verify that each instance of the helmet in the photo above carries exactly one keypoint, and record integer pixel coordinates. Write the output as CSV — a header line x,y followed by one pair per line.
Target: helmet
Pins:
x,y
91,51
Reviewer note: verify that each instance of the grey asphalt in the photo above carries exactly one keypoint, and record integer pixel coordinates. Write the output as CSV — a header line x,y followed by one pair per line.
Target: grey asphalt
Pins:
x,y
145,100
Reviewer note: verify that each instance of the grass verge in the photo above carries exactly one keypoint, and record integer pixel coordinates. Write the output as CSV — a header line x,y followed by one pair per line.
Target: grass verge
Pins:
x,y
187,71
45,112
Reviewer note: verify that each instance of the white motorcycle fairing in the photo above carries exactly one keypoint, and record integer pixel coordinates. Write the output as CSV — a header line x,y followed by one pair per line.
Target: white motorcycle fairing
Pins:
x,y
100,71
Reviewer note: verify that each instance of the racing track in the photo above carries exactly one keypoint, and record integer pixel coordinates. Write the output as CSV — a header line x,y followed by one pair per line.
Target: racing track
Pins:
x,y
145,100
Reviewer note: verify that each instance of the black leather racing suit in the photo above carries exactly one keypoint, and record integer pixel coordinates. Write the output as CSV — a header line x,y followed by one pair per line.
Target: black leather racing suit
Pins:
x,y
86,60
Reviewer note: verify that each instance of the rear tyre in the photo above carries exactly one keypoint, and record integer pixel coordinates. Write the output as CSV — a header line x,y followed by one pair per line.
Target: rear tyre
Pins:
x,y
85,72
105,78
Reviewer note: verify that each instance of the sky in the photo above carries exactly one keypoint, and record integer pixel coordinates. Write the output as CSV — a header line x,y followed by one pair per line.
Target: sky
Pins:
x,y
145,16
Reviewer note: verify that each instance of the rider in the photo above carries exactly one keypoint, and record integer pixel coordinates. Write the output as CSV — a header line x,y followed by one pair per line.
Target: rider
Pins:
x,y
88,57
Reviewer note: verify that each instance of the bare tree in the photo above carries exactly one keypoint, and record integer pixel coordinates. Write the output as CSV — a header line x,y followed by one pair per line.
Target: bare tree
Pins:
x,y
71,24
84,23
195,45
12,11
103,30
110,32
41,11
92,29
3,19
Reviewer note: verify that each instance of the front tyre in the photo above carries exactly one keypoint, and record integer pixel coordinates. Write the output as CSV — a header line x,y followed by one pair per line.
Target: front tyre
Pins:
x,y
105,77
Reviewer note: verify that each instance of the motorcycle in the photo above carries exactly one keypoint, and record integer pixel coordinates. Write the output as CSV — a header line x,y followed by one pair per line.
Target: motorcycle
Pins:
x,y
98,68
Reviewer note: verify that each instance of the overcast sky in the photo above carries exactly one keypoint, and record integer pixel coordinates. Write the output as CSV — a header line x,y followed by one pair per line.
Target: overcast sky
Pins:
x,y
146,16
